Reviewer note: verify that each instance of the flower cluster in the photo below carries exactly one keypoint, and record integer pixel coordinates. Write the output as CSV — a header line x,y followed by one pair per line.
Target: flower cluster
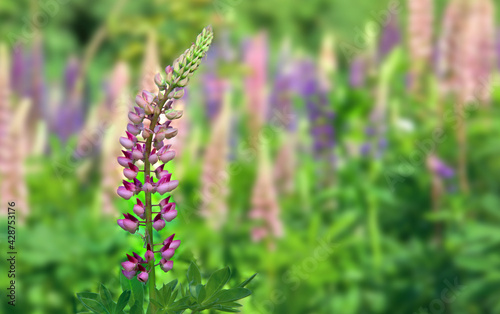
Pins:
x,y
144,145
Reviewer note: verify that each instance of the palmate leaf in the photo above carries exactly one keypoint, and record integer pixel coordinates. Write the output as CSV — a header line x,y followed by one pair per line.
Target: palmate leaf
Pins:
x,y
217,281
122,301
229,295
93,305
193,274
246,282
106,299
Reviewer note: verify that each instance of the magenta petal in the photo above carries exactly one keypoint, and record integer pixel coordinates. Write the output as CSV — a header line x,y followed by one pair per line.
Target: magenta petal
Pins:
x,y
140,101
167,187
169,240
123,161
167,254
128,274
123,192
167,156
134,118
138,210
175,244
149,256
129,174
170,215
129,266
143,277
153,159
158,225
125,142
166,265
130,225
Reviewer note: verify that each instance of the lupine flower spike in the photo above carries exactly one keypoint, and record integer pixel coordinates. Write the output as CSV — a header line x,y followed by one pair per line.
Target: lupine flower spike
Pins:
x,y
145,151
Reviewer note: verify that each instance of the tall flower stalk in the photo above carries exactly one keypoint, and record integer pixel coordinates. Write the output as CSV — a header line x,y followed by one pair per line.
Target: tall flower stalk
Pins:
x,y
144,148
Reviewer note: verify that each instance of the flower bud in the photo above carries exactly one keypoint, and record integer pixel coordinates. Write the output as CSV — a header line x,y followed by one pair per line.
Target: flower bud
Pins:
x,y
146,133
158,223
139,208
148,109
123,161
168,253
175,114
170,215
125,142
149,256
130,223
171,132
175,244
140,101
148,97
160,135
153,159
167,187
159,81
129,274
133,128
167,156
158,144
134,118
143,277
129,266
168,72
123,192
131,172
166,265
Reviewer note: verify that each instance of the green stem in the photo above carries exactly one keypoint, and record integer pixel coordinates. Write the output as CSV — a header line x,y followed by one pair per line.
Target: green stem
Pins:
x,y
148,205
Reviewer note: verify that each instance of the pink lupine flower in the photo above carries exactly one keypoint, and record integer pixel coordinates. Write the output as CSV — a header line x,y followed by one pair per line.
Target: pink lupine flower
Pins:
x,y
128,274
265,208
113,113
158,222
420,26
215,178
130,223
149,255
14,142
169,212
166,265
143,276
131,264
148,129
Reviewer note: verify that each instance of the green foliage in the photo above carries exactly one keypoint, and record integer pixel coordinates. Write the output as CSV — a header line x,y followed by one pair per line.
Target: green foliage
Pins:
x,y
172,298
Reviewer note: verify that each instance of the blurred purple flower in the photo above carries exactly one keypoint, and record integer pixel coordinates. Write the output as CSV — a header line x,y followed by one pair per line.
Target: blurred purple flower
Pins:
x,y
70,115
390,38
439,168
318,108
280,100
357,72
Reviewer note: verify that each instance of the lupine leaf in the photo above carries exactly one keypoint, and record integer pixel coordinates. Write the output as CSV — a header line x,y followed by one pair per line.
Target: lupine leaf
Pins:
x,y
88,295
233,294
217,281
137,291
180,304
193,274
93,305
136,309
231,304
246,282
125,283
200,293
157,303
106,299
122,301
